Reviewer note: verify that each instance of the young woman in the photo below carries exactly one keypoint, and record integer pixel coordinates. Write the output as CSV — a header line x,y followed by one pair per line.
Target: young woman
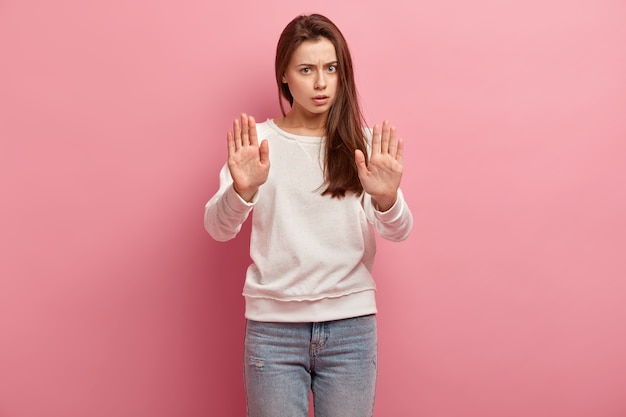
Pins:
x,y
320,186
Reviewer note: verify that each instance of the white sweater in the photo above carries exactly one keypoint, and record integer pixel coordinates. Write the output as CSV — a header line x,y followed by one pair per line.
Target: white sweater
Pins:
x,y
312,255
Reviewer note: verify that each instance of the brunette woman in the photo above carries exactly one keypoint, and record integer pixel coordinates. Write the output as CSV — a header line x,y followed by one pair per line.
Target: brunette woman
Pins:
x,y
319,185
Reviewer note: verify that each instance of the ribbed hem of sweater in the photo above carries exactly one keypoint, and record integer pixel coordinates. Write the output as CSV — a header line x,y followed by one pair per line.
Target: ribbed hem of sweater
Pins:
x,y
326,309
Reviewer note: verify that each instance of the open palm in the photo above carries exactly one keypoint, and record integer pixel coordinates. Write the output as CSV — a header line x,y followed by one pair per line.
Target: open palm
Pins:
x,y
382,175
248,161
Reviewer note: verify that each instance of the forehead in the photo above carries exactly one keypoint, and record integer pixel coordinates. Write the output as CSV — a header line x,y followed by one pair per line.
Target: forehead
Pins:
x,y
313,52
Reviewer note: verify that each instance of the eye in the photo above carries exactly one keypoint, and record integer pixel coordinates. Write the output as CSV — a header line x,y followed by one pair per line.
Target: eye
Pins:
x,y
305,70
332,68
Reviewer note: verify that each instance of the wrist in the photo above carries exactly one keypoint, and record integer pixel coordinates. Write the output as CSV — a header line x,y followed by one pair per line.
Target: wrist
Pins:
x,y
246,193
384,203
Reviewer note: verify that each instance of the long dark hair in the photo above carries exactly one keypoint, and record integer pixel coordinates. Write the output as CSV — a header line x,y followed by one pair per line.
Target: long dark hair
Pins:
x,y
345,122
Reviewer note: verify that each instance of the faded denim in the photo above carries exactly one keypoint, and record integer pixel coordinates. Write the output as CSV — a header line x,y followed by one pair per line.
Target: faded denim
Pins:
x,y
335,360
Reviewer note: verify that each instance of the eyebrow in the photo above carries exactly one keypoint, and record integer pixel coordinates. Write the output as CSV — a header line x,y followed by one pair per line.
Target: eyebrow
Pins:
x,y
312,65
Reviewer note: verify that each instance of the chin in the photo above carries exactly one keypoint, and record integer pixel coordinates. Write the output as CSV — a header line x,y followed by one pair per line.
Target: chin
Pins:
x,y
321,109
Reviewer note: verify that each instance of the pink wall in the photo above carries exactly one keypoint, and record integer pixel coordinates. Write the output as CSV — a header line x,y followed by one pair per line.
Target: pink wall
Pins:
x,y
508,300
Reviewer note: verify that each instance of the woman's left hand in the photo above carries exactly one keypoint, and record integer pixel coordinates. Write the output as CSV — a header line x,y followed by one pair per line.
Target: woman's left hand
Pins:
x,y
381,177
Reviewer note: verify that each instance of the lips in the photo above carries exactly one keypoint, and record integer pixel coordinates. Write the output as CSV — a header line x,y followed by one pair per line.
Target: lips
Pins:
x,y
320,100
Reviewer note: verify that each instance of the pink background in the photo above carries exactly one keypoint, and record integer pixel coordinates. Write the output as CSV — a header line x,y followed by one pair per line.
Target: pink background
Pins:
x,y
507,300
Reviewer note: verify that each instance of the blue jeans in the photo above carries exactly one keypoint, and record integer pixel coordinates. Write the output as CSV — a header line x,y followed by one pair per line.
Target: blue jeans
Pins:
x,y
336,360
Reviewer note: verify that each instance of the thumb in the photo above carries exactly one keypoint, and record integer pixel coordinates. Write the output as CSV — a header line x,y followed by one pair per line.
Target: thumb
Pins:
x,y
360,161
264,152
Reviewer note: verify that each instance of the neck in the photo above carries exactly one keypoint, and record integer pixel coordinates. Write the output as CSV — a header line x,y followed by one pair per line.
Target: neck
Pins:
x,y
303,124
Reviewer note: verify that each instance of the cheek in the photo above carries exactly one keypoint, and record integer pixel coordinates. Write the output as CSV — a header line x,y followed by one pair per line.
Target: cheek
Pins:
x,y
299,86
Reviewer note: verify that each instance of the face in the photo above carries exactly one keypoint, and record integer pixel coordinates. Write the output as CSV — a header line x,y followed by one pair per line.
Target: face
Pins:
x,y
312,77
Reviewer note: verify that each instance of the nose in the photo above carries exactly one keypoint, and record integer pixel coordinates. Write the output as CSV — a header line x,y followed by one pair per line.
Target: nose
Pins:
x,y
320,81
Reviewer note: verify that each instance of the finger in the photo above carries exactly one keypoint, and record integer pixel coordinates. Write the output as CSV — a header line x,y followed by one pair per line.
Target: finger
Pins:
x,y
376,140
236,134
400,151
245,138
384,143
393,142
231,143
254,140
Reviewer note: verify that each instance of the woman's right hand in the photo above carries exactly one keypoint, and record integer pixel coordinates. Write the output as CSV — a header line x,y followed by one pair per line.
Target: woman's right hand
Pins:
x,y
248,162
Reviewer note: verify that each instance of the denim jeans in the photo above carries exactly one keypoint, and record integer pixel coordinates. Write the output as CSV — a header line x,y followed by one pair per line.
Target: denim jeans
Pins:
x,y
336,360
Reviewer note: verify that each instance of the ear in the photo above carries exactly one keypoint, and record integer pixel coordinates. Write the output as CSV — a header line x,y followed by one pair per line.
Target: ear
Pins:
x,y
284,79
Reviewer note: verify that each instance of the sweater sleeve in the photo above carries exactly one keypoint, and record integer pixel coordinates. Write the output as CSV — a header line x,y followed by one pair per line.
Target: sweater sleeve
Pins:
x,y
226,211
394,224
